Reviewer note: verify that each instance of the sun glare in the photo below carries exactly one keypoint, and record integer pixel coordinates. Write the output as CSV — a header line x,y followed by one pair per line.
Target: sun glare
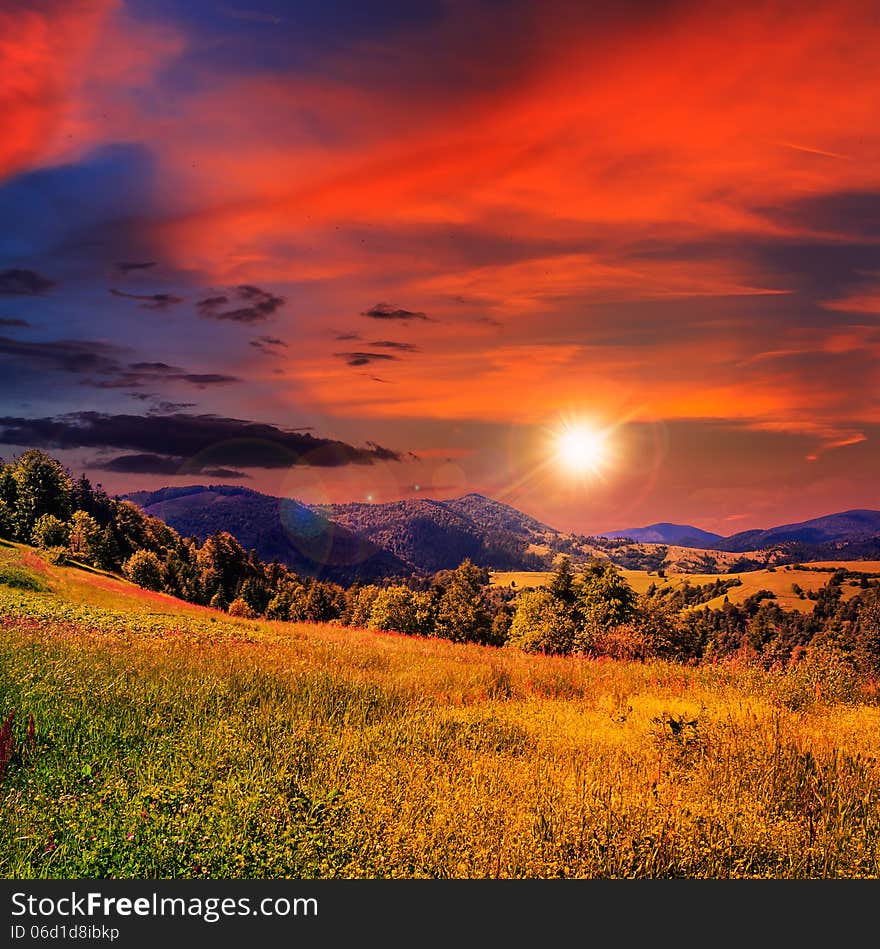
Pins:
x,y
581,449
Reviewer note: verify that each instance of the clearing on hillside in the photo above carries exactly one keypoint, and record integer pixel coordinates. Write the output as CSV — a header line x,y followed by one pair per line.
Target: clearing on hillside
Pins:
x,y
173,741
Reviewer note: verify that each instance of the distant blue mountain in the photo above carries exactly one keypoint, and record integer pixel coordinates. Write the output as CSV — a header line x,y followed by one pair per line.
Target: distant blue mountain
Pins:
x,y
846,526
679,535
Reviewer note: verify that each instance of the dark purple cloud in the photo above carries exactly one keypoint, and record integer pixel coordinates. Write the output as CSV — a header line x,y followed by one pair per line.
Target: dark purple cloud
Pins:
x,y
269,345
100,364
26,283
147,463
150,301
384,311
392,344
62,355
211,439
126,266
242,304
364,359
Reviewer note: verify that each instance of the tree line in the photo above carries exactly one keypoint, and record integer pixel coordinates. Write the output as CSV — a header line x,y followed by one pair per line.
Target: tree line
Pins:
x,y
72,520
590,611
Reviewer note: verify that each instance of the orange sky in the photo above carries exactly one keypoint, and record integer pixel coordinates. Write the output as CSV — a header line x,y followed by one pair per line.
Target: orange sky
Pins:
x,y
662,218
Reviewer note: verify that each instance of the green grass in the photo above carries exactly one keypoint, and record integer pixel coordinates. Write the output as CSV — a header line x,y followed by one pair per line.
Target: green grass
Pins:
x,y
173,741
19,578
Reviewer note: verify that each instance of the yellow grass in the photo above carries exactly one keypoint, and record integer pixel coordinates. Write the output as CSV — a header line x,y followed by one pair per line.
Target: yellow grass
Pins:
x,y
778,580
245,748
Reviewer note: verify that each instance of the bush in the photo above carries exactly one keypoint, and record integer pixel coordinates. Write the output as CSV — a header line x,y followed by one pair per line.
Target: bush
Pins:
x,y
242,609
824,676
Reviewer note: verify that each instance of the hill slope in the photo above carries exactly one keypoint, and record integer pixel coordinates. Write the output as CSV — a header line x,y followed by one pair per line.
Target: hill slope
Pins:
x,y
437,535
172,741
277,528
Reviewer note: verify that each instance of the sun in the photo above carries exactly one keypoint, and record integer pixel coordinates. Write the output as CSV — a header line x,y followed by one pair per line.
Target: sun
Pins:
x,y
580,448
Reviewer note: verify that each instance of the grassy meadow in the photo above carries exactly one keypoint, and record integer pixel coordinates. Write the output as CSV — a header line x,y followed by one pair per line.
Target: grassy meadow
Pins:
x,y
779,580
170,740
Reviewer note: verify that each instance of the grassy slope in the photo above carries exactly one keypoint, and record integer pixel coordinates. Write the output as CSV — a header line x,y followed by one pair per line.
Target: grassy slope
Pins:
x,y
173,741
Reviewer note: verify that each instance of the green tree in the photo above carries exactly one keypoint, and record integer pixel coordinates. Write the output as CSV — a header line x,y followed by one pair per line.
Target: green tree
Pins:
x,y
323,602
50,531
219,601
7,520
278,608
130,524
222,562
106,548
542,623
603,600
253,592
42,486
144,568
868,632
561,584
8,487
656,629
462,612
85,536
399,609
358,604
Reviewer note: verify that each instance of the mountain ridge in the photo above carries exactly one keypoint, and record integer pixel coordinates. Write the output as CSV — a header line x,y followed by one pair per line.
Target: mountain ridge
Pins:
x,y
370,540
854,524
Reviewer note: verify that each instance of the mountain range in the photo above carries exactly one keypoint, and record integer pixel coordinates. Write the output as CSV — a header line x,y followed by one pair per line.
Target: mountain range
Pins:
x,y
847,526
356,541
277,528
359,541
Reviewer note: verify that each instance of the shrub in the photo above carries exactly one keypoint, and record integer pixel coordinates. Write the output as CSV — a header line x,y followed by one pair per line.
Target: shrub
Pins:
x,y
242,609
824,676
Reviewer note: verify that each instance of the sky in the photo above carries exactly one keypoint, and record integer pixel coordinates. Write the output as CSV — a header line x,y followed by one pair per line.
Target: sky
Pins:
x,y
377,250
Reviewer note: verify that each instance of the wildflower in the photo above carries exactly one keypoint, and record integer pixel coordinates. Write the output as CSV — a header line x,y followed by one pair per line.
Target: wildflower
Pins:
x,y
129,836
7,743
